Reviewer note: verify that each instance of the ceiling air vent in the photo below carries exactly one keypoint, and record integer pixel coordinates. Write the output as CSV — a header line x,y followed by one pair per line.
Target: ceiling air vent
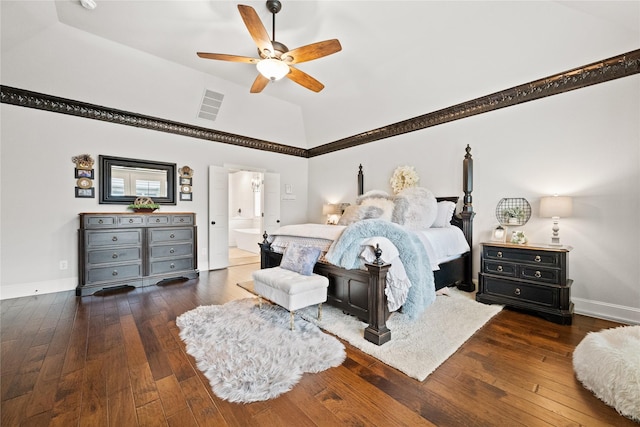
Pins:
x,y
211,102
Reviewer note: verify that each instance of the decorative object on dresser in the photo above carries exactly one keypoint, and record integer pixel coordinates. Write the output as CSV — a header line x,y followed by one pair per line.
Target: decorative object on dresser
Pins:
x,y
529,277
144,204
513,211
128,249
84,175
556,207
186,182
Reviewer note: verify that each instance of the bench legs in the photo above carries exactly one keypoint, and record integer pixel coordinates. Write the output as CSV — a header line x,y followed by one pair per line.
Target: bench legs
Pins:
x,y
293,313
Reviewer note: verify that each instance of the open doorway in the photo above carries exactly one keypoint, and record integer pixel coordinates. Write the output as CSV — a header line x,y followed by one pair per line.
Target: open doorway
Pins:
x,y
246,199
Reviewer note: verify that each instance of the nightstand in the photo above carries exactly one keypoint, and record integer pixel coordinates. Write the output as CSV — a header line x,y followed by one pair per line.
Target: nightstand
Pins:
x,y
531,277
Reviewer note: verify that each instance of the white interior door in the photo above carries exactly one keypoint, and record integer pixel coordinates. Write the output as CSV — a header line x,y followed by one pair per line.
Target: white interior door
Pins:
x,y
271,187
218,217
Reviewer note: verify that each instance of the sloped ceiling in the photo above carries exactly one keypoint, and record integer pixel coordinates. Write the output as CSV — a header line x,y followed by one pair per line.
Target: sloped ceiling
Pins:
x,y
400,59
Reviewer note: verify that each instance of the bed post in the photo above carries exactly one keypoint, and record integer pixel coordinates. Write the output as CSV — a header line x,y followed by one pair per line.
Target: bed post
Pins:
x,y
467,215
377,332
360,181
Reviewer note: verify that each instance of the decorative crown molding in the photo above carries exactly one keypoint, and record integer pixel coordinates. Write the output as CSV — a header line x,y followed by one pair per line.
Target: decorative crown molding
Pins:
x,y
40,101
598,72
613,68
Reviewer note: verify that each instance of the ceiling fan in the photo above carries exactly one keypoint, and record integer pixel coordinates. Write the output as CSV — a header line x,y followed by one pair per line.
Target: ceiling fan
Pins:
x,y
276,59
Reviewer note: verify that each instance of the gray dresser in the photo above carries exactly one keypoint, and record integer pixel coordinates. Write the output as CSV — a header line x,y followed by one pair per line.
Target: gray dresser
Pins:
x,y
135,249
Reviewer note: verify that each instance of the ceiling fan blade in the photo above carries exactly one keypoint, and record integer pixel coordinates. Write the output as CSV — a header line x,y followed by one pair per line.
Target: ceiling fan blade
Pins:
x,y
259,83
258,32
312,51
224,57
304,79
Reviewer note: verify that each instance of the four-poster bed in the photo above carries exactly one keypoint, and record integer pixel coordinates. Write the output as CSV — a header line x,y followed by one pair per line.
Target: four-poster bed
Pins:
x,y
361,292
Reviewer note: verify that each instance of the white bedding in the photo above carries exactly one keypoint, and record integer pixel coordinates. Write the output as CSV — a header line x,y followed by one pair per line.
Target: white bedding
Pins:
x,y
441,244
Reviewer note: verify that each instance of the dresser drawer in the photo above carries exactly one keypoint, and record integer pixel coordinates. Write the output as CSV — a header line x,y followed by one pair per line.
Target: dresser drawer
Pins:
x,y
156,219
539,295
182,220
162,235
113,273
500,268
169,266
164,251
114,255
99,221
131,221
95,239
529,256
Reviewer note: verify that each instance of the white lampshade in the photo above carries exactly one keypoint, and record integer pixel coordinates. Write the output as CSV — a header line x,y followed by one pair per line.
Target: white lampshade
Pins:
x,y
556,206
331,209
273,69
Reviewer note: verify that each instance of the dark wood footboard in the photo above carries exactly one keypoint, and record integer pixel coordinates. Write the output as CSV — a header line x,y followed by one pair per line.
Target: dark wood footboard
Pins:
x,y
359,293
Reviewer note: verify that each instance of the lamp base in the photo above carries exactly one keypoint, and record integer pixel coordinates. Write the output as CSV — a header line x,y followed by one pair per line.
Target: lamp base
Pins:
x,y
555,241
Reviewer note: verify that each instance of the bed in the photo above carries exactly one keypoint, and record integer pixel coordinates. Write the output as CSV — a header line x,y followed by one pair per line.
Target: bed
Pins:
x,y
361,291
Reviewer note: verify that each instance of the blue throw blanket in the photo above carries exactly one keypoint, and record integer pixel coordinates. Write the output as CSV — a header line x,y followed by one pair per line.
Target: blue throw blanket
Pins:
x,y
345,252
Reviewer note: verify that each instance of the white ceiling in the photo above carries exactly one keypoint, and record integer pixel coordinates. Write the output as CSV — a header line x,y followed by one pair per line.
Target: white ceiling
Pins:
x,y
400,58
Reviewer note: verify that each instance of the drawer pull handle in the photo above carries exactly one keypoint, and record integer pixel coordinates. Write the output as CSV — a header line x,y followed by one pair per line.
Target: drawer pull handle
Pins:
x,y
114,256
171,250
157,219
100,221
537,258
500,268
172,236
172,265
538,274
114,239
517,291
181,219
114,273
499,255
130,220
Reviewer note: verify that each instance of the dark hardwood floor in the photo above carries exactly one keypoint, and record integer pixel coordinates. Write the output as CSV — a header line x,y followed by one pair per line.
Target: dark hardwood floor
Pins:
x,y
117,360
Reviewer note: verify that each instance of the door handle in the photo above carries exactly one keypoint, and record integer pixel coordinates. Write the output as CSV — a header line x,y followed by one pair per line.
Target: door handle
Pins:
x,y
278,221
213,223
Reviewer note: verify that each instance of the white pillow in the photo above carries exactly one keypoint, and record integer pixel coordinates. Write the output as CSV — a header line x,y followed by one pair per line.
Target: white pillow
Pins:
x,y
445,213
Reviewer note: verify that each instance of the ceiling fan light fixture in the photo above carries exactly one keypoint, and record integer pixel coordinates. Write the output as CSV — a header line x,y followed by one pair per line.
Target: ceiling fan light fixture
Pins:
x,y
273,69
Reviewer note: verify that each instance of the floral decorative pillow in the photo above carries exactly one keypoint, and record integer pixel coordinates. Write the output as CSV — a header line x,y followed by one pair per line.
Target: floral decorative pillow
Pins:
x,y
300,259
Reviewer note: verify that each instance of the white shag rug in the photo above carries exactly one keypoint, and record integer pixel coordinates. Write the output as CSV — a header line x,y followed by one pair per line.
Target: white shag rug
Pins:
x,y
419,346
608,364
250,354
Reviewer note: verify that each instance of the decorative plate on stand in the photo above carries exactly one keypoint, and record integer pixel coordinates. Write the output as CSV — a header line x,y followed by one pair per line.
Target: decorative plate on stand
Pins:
x,y
513,211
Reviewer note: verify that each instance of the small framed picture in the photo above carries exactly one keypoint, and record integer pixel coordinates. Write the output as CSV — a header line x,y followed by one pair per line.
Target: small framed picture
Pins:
x,y
499,234
187,197
85,192
185,181
84,173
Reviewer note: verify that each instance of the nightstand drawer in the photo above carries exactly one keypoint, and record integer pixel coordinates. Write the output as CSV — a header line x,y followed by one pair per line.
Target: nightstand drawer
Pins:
x,y
544,275
529,256
540,295
500,268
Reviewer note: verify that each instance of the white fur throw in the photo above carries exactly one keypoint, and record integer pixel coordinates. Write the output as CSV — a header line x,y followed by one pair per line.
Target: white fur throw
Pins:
x,y
415,207
608,364
357,213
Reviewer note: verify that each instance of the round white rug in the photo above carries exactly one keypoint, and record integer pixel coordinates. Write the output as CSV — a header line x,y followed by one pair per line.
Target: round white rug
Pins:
x,y
608,364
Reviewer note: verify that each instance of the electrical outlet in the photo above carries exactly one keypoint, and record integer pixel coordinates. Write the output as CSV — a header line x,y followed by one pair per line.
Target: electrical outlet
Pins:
x,y
64,265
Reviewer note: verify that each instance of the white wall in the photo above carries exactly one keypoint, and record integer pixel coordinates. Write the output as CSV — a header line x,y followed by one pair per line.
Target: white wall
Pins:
x,y
584,144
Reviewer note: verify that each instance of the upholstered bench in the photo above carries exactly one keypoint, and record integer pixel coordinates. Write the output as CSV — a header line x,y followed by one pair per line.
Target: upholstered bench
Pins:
x,y
290,289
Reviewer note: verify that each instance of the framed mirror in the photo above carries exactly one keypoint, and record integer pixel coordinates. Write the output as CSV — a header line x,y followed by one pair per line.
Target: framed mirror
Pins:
x,y
122,180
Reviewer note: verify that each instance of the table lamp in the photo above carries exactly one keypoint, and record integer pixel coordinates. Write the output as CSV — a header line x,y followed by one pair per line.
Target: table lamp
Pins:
x,y
332,211
556,207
